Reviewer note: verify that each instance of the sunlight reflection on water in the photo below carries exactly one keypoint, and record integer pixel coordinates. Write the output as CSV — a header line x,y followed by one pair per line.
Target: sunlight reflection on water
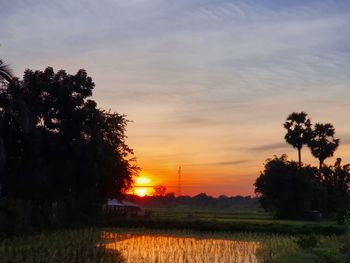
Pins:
x,y
137,248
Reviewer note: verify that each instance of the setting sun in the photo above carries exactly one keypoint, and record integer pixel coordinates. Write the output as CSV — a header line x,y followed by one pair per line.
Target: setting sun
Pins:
x,y
143,185
141,191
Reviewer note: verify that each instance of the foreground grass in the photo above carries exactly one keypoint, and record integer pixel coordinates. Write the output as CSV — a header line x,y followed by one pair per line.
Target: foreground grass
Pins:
x,y
310,249
76,246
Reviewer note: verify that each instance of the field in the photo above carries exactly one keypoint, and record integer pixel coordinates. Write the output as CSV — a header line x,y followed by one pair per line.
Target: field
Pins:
x,y
236,221
182,246
168,246
186,235
57,247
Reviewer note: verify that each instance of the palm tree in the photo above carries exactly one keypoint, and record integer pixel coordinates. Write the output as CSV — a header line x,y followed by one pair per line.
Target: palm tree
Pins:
x,y
5,75
298,127
322,143
5,72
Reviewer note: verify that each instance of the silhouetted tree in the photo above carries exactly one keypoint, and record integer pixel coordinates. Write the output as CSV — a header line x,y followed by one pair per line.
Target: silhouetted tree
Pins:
x,y
5,72
58,144
299,131
322,142
336,182
5,76
287,189
159,190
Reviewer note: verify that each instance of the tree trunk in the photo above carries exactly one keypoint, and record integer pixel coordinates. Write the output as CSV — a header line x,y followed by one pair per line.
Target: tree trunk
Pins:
x,y
299,155
321,164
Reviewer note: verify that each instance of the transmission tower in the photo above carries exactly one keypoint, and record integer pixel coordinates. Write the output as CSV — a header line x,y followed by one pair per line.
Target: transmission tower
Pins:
x,y
179,183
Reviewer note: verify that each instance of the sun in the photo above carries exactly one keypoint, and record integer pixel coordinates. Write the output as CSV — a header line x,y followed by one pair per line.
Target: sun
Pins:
x,y
143,185
141,192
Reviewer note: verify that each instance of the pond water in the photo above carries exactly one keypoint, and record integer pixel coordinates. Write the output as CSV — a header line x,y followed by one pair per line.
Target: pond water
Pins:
x,y
137,248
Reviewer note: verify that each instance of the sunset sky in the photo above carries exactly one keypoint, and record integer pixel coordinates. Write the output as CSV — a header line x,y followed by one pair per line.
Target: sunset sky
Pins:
x,y
206,83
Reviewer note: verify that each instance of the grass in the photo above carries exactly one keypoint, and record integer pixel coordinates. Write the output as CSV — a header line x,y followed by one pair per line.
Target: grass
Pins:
x,y
204,214
327,249
163,245
76,246
214,220
176,247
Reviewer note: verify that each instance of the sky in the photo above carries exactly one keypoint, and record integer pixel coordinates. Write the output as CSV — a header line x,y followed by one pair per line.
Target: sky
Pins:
x,y
207,84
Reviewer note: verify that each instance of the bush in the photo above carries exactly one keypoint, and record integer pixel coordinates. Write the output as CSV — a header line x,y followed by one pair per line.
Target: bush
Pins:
x,y
310,241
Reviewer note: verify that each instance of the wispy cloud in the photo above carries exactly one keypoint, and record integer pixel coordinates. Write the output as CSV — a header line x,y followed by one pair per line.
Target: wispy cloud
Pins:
x,y
198,77
269,147
226,163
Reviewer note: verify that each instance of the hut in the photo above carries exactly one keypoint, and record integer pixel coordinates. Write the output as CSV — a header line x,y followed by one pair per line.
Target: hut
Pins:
x,y
122,208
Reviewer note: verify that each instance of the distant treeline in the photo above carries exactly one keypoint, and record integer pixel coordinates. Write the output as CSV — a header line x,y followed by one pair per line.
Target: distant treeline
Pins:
x,y
200,201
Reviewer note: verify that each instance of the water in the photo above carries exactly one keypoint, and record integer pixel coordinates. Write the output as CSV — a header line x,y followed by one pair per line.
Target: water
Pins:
x,y
137,248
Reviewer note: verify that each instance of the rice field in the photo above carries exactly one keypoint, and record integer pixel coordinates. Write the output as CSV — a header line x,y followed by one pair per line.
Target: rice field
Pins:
x,y
119,245
139,248
75,246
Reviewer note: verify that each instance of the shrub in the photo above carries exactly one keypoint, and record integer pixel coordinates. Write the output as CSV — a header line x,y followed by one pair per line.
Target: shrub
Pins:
x,y
310,241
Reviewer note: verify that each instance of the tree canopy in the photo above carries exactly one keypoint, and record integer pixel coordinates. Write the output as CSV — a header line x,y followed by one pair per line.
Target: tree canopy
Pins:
x,y
299,130
322,142
57,143
5,72
279,187
288,189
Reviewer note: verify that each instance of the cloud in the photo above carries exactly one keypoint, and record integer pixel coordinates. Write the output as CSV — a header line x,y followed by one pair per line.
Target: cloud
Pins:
x,y
227,163
269,147
196,77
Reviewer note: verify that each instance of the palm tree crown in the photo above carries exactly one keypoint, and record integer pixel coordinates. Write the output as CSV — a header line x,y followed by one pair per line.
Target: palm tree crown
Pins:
x,y
323,144
5,72
299,131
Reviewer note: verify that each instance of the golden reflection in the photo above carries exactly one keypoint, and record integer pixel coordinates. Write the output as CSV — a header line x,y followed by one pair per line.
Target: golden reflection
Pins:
x,y
154,248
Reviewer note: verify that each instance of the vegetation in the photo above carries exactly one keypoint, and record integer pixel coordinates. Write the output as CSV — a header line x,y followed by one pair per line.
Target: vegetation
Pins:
x,y
200,201
322,143
61,156
310,248
141,245
5,72
78,246
174,246
299,131
293,250
229,225
288,189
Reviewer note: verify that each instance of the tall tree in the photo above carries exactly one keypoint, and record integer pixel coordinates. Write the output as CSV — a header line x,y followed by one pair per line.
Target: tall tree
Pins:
x,y
5,75
323,143
59,144
299,131
285,188
335,182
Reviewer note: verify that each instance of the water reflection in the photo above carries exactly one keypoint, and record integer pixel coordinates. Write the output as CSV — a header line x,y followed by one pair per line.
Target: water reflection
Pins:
x,y
158,248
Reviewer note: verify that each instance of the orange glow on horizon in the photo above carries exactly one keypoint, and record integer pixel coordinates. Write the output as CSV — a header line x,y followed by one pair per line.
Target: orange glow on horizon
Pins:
x,y
141,192
143,185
